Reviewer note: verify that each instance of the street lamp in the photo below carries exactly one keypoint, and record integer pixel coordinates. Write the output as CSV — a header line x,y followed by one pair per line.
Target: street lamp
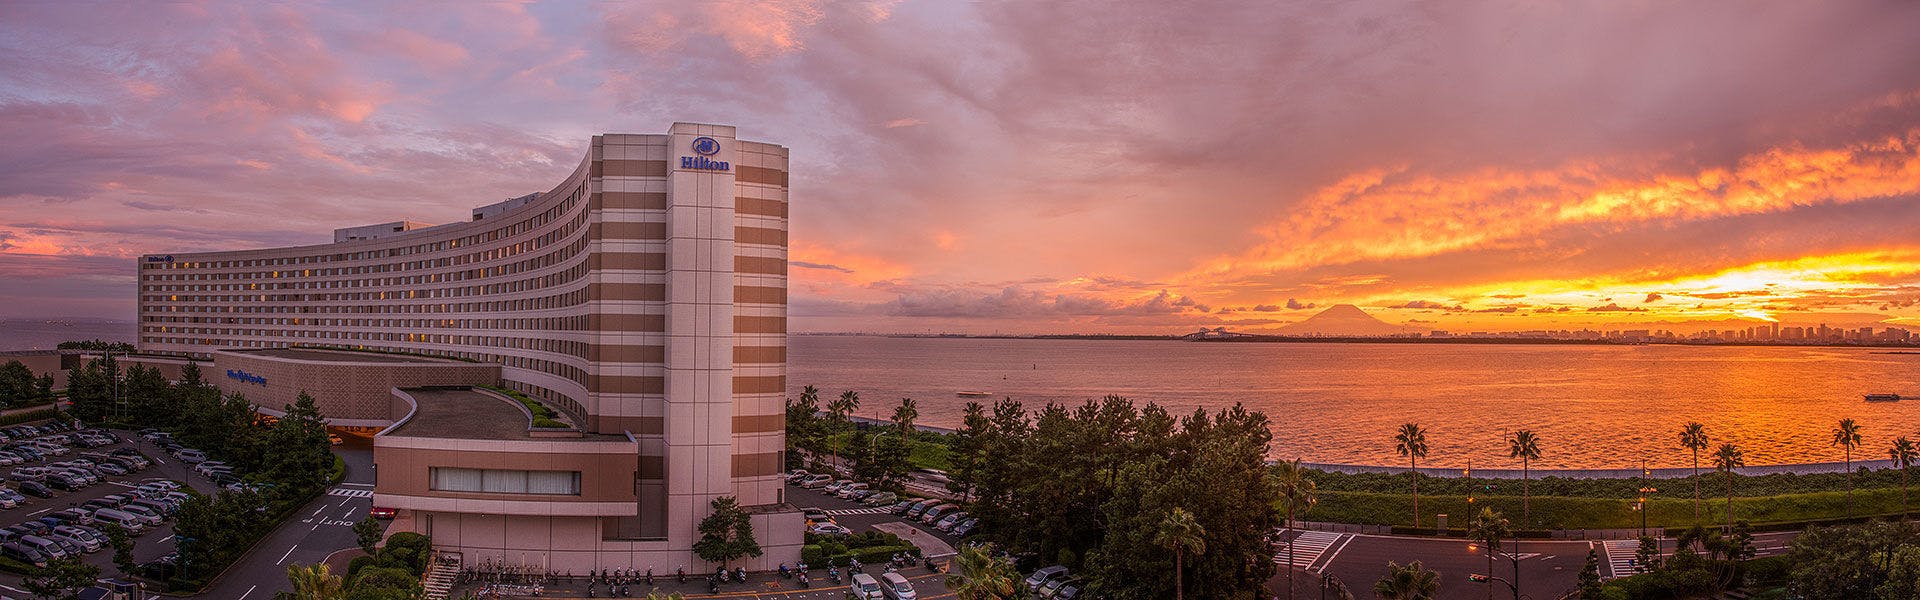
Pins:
x,y
1642,507
1468,473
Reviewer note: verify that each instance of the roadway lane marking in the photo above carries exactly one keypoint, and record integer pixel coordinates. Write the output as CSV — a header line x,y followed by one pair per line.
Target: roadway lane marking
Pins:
x,y
316,512
349,514
8,587
1307,547
1622,557
38,511
164,539
283,557
249,591
1336,553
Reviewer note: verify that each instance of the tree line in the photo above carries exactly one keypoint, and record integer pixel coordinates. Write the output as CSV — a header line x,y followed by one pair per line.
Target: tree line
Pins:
x,y
19,386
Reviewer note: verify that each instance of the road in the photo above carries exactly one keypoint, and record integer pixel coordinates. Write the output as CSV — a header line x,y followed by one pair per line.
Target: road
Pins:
x,y
1548,568
320,528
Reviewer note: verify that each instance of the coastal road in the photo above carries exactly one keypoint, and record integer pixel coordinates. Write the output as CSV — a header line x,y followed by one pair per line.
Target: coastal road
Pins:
x,y
1548,568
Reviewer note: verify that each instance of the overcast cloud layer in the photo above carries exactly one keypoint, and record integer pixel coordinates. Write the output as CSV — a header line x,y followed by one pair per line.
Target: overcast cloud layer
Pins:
x,y
1109,166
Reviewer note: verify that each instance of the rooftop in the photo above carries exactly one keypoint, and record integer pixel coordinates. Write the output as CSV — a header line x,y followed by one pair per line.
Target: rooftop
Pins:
x,y
460,413
316,355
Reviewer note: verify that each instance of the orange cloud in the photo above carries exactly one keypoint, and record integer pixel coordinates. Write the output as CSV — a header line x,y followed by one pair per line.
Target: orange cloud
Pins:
x,y
1393,213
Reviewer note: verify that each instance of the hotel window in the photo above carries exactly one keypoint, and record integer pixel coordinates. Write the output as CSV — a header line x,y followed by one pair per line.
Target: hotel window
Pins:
x,y
500,481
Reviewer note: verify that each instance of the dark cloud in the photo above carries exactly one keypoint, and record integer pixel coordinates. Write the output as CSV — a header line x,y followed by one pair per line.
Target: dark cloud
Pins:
x,y
1429,305
1614,307
1652,297
1293,304
821,266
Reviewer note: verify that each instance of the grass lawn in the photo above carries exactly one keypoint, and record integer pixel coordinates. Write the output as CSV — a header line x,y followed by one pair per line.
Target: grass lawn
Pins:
x,y
1559,512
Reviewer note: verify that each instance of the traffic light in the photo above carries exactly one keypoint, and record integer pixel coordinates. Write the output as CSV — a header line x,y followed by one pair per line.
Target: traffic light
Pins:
x,y
1476,577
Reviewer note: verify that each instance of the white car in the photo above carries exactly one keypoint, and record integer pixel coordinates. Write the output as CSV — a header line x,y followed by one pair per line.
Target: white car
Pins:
x,y
829,529
847,491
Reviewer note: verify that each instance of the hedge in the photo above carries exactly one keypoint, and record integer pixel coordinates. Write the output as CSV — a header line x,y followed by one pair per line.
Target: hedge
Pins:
x,y
35,415
543,416
811,554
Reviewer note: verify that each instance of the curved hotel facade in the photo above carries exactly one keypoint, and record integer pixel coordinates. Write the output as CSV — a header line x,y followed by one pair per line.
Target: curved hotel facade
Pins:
x,y
644,298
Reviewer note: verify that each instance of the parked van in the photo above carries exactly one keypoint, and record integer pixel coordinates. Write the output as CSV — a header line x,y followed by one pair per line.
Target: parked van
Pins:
x,y
896,587
191,456
864,587
23,553
151,516
132,522
45,546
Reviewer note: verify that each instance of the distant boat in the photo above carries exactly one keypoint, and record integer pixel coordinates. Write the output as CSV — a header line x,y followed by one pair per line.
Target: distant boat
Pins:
x,y
974,394
1883,397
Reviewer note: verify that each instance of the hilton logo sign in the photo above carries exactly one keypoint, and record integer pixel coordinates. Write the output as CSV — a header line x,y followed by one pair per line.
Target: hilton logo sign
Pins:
x,y
704,147
245,377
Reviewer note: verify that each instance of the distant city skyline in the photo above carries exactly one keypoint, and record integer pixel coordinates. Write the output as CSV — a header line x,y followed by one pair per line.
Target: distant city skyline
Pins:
x,y
991,168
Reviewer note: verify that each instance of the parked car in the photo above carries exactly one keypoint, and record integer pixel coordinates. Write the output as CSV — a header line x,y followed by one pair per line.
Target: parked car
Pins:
x,y
847,491
829,529
190,456
815,515
900,508
45,546
865,587
133,523
797,475
381,512
834,488
1041,577
880,499
84,545
23,553
965,527
946,523
111,468
816,482
896,587
916,508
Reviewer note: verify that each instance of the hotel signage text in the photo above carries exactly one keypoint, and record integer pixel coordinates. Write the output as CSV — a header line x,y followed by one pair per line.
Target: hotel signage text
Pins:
x,y
245,377
704,147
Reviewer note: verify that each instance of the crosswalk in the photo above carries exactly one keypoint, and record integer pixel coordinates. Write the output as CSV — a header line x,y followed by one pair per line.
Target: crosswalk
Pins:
x,y
1307,548
840,512
1621,557
346,493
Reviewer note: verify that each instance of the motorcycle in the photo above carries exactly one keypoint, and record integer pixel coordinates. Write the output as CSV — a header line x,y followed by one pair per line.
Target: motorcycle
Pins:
x,y
589,590
683,574
803,580
834,574
784,573
740,574
649,576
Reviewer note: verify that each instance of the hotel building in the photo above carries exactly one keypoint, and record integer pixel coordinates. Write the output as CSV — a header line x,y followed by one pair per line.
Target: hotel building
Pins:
x,y
643,300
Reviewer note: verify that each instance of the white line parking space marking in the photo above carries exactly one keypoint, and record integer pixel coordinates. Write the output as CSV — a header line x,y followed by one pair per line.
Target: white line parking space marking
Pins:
x,y
39,511
164,539
1307,547
350,493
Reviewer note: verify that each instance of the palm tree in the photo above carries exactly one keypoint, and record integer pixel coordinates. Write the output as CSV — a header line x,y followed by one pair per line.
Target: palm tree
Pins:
x,y
1694,437
1903,456
315,582
904,415
1846,435
1489,528
1411,582
1411,442
848,402
1180,533
1526,447
1725,460
1298,495
977,575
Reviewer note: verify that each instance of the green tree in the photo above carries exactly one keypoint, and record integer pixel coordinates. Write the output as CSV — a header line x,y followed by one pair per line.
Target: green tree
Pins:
x,y
1181,534
16,383
314,582
1525,446
1297,496
904,416
977,575
803,423
1903,575
1411,582
1846,435
384,583
1411,442
1902,454
298,453
62,579
1694,437
122,545
1590,588
368,532
1647,556
727,534
840,408
1334,588
1489,528
1847,562
1725,460
967,452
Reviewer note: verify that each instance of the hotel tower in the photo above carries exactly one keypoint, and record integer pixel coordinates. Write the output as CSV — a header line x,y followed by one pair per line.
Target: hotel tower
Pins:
x,y
566,380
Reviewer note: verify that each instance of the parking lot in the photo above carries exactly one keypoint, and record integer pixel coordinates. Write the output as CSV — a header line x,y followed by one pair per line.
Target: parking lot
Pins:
x,y
149,545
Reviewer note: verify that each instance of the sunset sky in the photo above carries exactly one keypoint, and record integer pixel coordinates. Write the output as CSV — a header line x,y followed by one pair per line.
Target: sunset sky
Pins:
x,y
1029,167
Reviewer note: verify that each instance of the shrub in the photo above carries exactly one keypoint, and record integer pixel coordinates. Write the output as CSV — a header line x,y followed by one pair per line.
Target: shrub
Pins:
x,y
359,562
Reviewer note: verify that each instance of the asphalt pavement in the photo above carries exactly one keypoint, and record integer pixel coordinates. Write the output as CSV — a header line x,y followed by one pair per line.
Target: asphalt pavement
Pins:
x,y
322,527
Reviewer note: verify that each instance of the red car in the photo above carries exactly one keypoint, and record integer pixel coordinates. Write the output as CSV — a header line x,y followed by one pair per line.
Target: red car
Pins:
x,y
382,513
